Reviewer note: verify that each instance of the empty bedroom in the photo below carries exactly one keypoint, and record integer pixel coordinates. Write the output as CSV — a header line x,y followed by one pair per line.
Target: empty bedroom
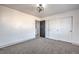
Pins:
x,y
39,28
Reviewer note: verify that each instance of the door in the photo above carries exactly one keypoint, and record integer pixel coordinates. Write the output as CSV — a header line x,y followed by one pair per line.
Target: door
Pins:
x,y
60,28
42,28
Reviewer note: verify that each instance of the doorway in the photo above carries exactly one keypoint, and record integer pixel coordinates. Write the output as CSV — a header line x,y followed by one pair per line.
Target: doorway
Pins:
x,y
42,28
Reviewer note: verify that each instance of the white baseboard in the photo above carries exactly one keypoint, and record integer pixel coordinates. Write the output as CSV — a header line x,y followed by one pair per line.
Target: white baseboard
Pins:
x,y
77,44
10,44
74,43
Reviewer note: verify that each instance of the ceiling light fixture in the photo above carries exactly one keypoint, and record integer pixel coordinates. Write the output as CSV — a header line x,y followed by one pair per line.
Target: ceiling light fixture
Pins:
x,y
40,7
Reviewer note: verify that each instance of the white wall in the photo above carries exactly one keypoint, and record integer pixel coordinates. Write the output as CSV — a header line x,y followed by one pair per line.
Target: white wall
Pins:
x,y
73,36
15,26
37,27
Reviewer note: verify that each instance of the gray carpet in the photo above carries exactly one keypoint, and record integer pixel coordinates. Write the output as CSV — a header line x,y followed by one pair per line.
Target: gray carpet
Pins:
x,y
41,46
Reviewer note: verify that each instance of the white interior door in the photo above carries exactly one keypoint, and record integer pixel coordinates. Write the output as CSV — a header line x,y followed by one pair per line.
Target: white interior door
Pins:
x,y
60,28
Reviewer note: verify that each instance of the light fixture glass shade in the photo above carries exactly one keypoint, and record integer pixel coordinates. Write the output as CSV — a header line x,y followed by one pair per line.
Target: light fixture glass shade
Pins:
x,y
40,8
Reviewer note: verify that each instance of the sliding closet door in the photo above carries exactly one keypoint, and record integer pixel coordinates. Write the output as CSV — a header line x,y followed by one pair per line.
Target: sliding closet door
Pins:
x,y
59,28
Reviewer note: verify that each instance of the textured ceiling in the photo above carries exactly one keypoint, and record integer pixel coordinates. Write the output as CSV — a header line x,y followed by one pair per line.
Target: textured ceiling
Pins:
x,y
50,9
